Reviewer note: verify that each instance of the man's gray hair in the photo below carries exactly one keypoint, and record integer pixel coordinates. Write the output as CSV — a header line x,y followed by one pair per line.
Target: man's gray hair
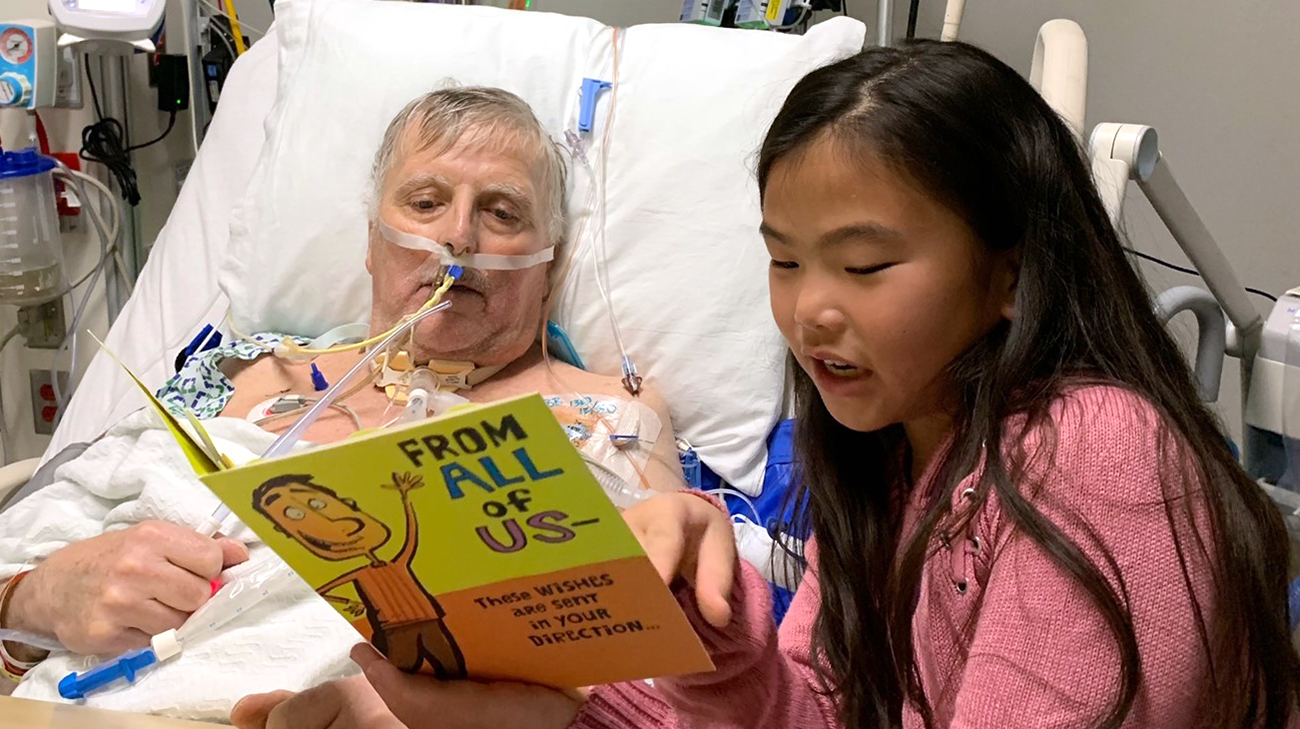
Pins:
x,y
496,117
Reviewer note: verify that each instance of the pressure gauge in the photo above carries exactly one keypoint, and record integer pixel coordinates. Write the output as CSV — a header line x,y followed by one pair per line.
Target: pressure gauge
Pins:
x,y
28,57
15,46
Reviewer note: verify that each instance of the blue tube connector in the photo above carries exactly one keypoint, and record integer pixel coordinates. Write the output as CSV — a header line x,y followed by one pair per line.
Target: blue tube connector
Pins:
x,y
318,379
591,88
125,666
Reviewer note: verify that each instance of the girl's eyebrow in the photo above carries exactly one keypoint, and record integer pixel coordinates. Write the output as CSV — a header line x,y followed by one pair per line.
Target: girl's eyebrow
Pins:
x,y
863,232
857,232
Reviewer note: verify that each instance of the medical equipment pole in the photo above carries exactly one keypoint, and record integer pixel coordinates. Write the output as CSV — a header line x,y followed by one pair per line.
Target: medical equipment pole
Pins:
x,y
885,22
952,19
1060,70
1194,238
183,17
1131,151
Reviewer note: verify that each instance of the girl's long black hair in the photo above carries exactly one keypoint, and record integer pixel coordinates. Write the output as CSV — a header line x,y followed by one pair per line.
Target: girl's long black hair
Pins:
x,y
978,138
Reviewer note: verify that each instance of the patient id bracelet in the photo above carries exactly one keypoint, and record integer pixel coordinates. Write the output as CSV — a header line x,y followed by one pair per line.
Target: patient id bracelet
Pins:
x,y
12,668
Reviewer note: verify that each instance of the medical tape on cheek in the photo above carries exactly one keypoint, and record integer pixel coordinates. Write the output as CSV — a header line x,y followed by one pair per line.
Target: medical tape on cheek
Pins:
x,y
481,261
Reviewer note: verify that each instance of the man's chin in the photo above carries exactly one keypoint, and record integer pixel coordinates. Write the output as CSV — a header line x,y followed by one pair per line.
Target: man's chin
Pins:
x,y
447,344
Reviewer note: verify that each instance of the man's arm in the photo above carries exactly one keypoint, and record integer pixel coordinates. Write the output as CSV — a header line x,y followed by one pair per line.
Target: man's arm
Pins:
x,y
336,583
405,483
18,651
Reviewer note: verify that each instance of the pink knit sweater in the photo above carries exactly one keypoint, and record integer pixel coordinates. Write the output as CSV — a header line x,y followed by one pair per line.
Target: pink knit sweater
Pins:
x,y
1037,654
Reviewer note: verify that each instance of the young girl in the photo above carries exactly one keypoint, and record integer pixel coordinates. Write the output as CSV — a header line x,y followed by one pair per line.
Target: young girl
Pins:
x,y
1020,514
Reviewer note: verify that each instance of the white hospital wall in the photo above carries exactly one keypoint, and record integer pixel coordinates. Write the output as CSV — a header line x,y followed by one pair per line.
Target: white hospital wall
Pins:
x,y
1218,80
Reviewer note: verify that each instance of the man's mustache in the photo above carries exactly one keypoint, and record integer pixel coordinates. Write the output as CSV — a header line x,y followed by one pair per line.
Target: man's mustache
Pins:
x,y
471,278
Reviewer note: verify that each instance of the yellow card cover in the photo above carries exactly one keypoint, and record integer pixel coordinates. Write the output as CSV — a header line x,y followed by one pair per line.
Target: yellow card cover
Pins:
x,y
200,451
474,545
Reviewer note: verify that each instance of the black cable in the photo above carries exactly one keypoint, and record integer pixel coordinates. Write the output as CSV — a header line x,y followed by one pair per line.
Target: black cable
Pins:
x,y
91,80
912,11
106,142
1192,271
171,123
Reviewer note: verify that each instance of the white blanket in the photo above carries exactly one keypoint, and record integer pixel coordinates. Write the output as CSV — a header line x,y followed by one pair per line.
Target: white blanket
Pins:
x,y
293,640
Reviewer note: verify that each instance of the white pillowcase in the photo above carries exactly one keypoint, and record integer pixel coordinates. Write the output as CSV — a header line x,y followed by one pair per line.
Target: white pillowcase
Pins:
x,y
685,262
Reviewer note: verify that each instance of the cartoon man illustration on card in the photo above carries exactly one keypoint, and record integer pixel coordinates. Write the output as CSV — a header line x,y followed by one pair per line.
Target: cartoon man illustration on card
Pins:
x,y
406,621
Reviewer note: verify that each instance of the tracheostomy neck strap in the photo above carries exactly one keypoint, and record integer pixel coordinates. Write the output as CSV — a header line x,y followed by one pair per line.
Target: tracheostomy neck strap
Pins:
x,y
481,261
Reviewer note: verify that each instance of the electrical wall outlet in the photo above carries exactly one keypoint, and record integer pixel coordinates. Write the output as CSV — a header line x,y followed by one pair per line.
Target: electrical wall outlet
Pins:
x,y
45,403
42,325
67,83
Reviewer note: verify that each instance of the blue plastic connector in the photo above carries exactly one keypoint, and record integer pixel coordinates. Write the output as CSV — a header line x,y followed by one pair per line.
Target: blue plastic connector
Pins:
x,y
559,343
125,666
591,88
318,379
691,468
455,272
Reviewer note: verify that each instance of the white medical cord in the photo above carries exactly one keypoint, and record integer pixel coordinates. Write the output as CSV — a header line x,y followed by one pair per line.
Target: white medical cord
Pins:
x,y
307,401
601,262
106,244
742,496
31,639
623,494
8,337
289,438
114,227
598,239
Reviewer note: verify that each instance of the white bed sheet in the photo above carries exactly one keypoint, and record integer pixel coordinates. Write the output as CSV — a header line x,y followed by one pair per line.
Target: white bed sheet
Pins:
x,y
177,292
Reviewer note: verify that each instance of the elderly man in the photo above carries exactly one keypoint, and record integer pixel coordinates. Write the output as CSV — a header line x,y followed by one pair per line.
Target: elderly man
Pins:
x,y
469,168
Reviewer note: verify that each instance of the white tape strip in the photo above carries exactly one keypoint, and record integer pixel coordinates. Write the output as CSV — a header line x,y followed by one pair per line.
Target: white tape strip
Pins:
x,y
481,261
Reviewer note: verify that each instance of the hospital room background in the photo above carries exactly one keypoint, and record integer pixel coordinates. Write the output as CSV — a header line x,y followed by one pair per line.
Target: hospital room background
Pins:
x,y
1216,82
1188,108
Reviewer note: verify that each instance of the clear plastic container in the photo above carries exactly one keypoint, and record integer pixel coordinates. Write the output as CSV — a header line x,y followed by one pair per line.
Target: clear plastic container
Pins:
x,y
31,256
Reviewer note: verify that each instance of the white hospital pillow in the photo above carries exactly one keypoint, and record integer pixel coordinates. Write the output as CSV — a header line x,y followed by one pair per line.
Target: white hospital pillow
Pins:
x,y
685,261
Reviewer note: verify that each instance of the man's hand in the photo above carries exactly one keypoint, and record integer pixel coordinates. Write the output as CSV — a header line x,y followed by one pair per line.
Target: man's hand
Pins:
x,y
386,698
421,701
349,703
405,482
111,593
